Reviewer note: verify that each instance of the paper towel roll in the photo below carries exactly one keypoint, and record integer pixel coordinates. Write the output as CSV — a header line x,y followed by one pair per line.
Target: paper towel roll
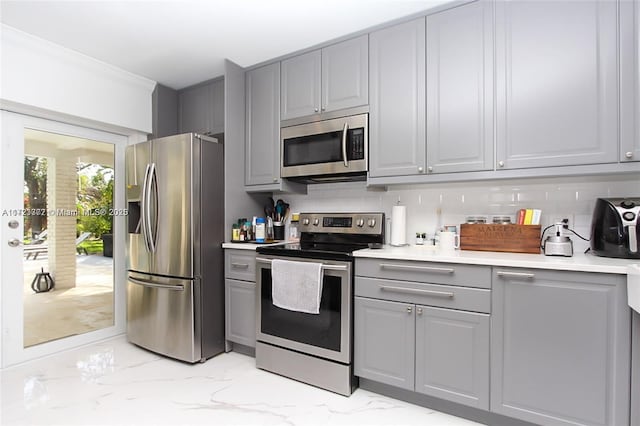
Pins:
x,y
399,226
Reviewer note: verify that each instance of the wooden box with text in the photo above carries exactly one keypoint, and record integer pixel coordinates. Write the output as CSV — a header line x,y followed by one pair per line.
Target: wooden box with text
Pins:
x,y
494,237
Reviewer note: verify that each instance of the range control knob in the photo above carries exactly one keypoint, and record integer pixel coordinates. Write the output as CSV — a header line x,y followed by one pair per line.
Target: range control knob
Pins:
x,y
316,222
627,204
305,222
371,223
360,223
629,216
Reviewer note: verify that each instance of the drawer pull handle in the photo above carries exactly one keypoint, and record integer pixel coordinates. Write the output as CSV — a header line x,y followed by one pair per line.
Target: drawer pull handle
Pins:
x,y
447,294
515,274
240,265
417,268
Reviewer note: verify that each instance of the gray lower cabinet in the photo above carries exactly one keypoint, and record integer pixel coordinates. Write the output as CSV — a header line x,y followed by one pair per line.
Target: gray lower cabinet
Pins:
x,y
556,77
435,351
560,347
397,78
384,342
452,355
630,80
201,108
460,89
240,297
262,138
240,312
420,326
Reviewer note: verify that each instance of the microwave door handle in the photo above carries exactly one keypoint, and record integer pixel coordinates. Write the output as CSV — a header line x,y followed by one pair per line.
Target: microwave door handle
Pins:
x,y
345,130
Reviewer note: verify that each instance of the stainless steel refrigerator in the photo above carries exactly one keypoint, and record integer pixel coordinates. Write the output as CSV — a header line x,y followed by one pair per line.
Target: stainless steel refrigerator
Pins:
x,y
175,284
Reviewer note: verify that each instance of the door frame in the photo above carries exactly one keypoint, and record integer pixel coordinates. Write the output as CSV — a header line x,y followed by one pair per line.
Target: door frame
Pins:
x,y
12,349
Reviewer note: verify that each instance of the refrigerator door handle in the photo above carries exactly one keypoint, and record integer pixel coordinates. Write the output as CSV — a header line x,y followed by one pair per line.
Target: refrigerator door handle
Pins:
x,y
146,283
144,207
151,190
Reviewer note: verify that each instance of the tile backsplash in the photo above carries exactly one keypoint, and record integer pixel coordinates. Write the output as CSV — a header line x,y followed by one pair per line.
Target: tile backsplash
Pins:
x,y
432,205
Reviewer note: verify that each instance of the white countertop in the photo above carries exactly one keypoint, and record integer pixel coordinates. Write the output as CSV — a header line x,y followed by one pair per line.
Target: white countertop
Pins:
x,y
250,246
579,262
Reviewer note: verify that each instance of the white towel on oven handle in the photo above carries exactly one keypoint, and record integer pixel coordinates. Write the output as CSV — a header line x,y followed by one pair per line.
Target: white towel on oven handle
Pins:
x,y
296,286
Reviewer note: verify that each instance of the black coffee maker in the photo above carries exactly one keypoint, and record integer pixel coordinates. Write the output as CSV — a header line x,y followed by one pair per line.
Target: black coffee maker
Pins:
x,y
615,227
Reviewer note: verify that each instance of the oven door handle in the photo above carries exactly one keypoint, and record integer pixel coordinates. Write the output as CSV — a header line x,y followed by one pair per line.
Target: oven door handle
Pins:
x,y
325,266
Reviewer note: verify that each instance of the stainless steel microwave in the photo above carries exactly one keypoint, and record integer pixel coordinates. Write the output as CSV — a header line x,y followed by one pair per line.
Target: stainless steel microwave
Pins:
x,y
326,150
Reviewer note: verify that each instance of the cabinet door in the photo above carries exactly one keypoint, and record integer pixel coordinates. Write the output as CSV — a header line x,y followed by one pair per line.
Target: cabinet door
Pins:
x,y
630,80
262,137
240,307
345,74
194,109
452,355
556,82
301,85
560,347
460,89
384,341
164,110
217,107
397,100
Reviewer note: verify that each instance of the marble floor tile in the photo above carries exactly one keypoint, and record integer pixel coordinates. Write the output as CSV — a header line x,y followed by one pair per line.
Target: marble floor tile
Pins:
x,y
116,383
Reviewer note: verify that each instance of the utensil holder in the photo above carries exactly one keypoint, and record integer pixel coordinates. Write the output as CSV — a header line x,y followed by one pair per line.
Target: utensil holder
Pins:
x,y
278,231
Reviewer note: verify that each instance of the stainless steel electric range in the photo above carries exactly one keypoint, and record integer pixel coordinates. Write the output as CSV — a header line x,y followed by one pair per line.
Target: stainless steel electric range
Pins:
x,y
315,348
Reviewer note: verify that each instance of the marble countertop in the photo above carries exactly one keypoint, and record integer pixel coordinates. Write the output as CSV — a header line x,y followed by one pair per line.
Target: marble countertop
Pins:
x,y
579,262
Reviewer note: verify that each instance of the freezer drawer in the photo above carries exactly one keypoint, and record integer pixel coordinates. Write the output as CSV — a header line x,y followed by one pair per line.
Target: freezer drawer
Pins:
x,y
161,317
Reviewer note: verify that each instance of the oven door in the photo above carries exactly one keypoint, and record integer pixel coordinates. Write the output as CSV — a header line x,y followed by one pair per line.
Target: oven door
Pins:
x,y
327,334
328,147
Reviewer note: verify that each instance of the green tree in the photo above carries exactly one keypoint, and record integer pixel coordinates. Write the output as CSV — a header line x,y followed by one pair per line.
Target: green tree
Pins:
x,y
35,197
95,200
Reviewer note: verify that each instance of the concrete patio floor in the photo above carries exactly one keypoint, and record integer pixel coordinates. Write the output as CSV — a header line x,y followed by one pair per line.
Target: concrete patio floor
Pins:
x,y
65,312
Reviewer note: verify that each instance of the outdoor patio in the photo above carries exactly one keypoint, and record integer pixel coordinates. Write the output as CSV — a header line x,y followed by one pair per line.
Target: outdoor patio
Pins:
x,y
64,312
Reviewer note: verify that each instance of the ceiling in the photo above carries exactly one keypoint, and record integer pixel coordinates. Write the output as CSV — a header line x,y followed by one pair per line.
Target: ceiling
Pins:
x,y
182,42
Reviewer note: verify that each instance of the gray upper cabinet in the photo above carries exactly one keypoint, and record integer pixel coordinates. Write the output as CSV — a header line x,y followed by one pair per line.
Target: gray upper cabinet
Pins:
x,y
164,110
397,100
201,108
262,138
630,80
460,89
557,86
330,79
560,347
345,74
301,85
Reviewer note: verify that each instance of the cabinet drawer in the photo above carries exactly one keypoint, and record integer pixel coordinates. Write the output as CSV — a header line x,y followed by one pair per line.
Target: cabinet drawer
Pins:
x,y
463,298
240,265
426,272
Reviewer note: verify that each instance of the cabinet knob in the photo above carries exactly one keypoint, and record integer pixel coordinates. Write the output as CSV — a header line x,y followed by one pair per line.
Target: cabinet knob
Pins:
x,y
315,109
628,154
420,169
323,108
409,309
419,310
430,169
275,179
501,163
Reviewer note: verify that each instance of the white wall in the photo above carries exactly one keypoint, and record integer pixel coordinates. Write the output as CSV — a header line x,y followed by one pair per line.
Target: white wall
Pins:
x,y
40,74
573,198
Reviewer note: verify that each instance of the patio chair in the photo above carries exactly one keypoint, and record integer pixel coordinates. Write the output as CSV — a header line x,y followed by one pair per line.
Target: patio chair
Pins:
x,y
80,239
37,249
